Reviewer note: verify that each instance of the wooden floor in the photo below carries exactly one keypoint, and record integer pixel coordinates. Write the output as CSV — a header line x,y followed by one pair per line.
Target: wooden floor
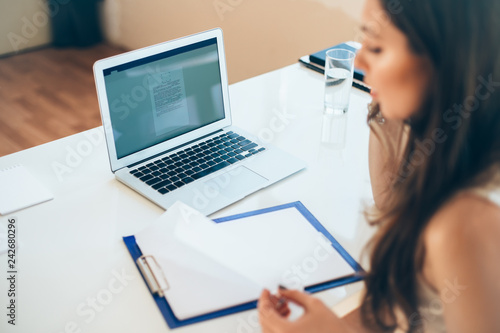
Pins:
x,y
48,94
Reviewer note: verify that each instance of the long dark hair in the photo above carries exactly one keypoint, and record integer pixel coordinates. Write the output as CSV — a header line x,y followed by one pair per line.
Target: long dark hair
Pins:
x,y
454,139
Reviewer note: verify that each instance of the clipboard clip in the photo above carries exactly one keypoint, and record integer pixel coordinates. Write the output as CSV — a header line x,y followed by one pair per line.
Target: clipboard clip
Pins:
x,y
153,274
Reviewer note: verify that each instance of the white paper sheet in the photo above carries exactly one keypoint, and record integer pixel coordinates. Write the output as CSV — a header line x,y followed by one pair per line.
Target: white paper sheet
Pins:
x,y
19,189
211,266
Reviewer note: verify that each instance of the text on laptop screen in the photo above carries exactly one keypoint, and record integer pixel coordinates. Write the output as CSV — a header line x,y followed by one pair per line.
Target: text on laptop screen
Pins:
x,y
163,96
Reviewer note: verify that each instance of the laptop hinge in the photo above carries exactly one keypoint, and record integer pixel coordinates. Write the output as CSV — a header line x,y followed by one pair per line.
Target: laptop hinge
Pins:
x,y
167,151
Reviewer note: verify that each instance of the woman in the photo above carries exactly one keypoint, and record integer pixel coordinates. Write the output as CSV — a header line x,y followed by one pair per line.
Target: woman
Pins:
x,y
434,66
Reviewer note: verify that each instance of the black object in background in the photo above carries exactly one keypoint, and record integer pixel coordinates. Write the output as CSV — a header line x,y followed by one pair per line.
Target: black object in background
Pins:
x,y
320,56
75,23
316,62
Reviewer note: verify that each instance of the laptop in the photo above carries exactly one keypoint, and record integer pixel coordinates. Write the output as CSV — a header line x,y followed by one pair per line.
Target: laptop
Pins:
x,y
167,122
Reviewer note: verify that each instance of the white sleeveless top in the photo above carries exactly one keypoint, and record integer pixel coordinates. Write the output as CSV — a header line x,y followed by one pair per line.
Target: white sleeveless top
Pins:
x,y
431,308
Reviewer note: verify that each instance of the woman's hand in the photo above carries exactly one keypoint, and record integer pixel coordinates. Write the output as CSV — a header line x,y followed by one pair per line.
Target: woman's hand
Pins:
x,y
317,318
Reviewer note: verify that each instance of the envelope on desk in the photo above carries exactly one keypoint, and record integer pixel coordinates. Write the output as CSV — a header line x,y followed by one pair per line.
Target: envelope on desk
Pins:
x,y
201,269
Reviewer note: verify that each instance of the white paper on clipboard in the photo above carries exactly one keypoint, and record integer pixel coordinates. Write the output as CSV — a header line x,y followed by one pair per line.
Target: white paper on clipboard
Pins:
x,y
211,266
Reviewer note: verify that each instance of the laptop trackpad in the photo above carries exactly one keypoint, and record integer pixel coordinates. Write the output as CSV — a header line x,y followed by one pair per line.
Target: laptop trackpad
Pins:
x,y
236,183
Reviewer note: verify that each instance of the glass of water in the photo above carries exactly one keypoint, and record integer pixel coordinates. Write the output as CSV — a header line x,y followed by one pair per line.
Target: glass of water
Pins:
x,y
339,69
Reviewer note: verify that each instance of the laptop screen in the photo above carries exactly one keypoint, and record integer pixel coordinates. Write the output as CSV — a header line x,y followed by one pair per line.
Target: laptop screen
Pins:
x,y
160,97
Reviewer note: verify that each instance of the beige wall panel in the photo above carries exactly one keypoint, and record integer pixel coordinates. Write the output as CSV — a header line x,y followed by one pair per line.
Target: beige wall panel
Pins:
x,y
260,35
24,24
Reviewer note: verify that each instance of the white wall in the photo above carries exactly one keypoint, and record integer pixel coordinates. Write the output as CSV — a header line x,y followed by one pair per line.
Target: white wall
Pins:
x,y
260,35
24,24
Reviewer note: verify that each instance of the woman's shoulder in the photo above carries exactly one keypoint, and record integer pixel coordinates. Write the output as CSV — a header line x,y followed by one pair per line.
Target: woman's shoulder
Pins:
x,y
463,234
461,252
470,215
465,216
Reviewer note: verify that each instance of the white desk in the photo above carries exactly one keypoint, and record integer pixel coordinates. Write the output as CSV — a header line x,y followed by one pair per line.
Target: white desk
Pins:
x,y
71,248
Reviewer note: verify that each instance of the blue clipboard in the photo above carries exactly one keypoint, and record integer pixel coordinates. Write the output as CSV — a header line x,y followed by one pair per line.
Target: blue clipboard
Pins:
x,y
173,322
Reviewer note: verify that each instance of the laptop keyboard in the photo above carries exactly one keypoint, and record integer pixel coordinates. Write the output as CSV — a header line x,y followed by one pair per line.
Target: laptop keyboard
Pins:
x,y
181,168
